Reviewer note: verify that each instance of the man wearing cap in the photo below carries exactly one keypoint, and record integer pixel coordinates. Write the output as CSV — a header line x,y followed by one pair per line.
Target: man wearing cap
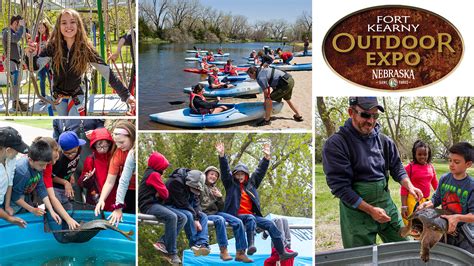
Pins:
x,y
356,161
10,145
65,167
184,188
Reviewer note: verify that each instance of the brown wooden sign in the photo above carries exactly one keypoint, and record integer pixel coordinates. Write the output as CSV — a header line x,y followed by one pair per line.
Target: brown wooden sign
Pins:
x,y
393,47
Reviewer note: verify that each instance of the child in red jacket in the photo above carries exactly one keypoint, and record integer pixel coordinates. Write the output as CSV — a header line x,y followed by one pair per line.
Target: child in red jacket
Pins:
x,y
96,165
152,194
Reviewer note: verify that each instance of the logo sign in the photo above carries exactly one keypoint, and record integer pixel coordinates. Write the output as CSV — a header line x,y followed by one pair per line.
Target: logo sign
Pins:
x,y
393,47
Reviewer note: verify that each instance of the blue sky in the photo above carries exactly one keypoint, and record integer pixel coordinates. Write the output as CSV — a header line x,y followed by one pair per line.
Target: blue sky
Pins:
x,y
256,10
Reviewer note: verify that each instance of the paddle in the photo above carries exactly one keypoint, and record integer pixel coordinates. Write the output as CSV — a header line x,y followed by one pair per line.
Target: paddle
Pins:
x,y
176,102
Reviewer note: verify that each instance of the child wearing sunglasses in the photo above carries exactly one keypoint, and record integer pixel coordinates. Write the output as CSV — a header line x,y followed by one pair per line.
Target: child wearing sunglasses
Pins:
x,y
358,161
94,172
64,168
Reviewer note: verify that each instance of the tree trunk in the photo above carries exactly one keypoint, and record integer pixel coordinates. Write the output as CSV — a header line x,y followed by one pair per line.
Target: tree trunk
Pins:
x,y
325,116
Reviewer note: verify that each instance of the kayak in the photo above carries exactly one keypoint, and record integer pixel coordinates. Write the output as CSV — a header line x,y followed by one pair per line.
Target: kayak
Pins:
x,y
222,55
203,71
300,54
237,113
227,78
235,78
217,62
240,88
192,59
295,67
195,51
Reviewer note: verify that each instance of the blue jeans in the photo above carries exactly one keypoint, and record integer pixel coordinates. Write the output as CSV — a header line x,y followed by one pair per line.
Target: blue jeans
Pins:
x,y
195,238
43,75
287,61
62,107
173,221
15,91
61,195
252,221
219,220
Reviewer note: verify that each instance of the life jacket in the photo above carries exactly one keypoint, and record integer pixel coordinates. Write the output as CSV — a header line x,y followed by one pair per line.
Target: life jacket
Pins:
x,y
210,58
216,78
219,51
204,65
231,70
202,111
41,40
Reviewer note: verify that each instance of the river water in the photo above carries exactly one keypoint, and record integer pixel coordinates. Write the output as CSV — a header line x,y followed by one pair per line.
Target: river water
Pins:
x,y
162,79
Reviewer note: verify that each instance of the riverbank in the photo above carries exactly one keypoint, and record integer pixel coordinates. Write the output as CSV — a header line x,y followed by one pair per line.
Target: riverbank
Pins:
x,y
301,98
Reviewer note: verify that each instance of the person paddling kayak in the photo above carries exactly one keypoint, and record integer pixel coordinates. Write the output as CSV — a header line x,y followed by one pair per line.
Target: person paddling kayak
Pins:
x,y
214,82
199,104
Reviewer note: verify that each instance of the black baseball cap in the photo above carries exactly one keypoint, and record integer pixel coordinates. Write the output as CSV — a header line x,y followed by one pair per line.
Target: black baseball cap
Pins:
x,y
366,103
10,138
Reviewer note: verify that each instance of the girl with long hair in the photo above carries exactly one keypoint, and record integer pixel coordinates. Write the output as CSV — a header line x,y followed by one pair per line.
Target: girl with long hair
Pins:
x,y
70,53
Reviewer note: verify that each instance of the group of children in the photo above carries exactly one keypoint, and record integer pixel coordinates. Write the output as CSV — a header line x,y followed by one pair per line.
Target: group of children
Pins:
x,y
47,174
454,191
190,198
268,55
67,52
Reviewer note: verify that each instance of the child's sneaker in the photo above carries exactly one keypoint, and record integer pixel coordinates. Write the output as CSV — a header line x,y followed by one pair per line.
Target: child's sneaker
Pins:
x,y
205,250
196,250
175,259
160,247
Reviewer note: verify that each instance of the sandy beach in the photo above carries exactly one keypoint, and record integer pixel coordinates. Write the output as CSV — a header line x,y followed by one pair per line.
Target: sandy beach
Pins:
x,y
301,98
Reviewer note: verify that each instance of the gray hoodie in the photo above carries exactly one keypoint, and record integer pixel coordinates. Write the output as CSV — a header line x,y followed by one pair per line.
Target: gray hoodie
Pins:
x,y
211,204
15,47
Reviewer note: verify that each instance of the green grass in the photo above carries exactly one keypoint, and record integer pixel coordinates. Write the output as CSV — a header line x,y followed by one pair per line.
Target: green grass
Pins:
x,y
44,124
328,236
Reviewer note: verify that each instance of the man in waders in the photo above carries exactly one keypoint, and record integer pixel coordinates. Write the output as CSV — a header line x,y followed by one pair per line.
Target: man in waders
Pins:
x,y
356,161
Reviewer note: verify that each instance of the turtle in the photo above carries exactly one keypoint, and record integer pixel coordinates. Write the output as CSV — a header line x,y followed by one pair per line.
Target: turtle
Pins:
x,y
87,231
427,226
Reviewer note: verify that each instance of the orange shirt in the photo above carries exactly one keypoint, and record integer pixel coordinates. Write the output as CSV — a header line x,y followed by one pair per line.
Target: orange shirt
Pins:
x,y
116,166
245,203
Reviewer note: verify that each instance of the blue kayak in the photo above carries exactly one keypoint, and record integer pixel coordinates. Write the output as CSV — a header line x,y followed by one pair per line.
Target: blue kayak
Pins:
x,y
192,59
222,55
236,78
195,51
225,78
237,113
240,88
241,73
217,62
294,67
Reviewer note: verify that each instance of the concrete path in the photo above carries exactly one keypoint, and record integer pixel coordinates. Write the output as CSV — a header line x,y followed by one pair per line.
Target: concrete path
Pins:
x,y
28,133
